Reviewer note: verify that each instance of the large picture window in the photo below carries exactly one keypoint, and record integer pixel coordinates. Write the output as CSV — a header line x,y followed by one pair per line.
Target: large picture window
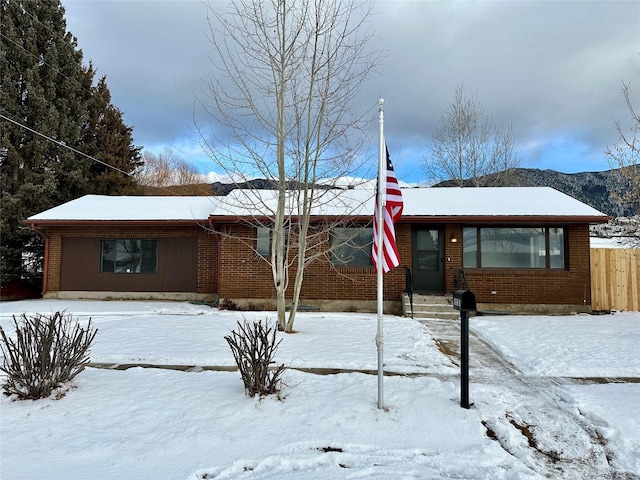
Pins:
x,y
129,256
351,246
513,247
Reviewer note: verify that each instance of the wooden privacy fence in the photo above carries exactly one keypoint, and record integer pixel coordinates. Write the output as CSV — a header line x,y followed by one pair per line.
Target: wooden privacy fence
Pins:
x,y
615,279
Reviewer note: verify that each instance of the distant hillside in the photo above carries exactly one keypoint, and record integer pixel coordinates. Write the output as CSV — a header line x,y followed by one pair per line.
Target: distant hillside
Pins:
x,y
198,189
592,188
219,188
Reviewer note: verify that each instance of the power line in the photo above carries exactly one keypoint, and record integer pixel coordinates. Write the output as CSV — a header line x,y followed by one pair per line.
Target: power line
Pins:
x,y
97,69
62,144
74,48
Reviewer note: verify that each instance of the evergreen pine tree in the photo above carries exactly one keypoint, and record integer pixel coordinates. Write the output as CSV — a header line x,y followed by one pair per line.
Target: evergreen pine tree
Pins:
x,y
106,138
44,87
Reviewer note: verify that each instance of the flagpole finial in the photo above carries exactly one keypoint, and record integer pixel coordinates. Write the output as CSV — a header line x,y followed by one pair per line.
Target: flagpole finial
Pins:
x,y
381,101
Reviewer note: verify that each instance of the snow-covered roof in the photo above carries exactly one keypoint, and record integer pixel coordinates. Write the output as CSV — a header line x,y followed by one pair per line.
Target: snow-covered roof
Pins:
x,y
104,207
334,202
468,203
422,202
494,201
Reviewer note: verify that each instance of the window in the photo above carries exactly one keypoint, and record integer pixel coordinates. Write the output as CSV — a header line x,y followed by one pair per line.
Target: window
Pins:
x,y
129,256
351,247
513,247
556,247
470,247
263,241
264,236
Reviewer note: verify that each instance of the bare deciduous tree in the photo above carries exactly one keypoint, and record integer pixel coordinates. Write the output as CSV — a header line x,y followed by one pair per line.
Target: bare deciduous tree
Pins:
x,y
283,97
625,156
168,169
468,145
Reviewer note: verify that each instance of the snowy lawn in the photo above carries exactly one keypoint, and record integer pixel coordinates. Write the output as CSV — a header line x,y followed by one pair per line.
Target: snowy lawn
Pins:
x,y
145,423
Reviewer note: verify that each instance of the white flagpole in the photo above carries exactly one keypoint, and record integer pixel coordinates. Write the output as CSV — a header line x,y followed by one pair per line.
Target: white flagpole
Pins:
x,y
382,178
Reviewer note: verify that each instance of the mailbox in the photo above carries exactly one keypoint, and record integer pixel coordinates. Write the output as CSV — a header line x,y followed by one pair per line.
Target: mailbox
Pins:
x,y
464,300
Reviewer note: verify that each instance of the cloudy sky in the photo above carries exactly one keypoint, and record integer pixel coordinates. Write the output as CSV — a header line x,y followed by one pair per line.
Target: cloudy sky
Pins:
x,y
551,69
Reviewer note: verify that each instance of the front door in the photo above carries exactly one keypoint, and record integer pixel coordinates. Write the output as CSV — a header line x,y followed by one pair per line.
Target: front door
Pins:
x,y
428,271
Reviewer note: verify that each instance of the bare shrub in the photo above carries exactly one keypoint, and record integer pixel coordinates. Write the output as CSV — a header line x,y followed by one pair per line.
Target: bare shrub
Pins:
x,y
258,306
254,346
48,351
227,304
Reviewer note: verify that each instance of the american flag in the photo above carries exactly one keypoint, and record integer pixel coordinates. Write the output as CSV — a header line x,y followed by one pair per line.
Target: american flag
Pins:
x,y
392,213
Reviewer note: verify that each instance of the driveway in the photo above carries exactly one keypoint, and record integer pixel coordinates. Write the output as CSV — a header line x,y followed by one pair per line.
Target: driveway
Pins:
x,y
532,417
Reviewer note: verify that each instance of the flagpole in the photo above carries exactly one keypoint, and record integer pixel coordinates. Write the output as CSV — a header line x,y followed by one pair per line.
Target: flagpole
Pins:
x,y
381,209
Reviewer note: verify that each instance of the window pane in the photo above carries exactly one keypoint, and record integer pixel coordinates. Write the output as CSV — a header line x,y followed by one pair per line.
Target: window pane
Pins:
x,y
427,250
149,256
108,256
263,244
127,256
513,247
351,247
556,247
427,240
470,247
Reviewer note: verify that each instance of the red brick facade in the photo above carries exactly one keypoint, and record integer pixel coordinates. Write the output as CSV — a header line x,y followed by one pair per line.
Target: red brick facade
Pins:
x,y
569,286
228,266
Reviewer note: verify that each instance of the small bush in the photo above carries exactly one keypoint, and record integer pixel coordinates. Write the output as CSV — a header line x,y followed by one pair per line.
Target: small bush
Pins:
x,y
48,351
254,346
227,304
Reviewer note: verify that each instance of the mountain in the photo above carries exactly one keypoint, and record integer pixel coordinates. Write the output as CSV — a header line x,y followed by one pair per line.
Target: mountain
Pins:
x,y
593,188
596,189
219,188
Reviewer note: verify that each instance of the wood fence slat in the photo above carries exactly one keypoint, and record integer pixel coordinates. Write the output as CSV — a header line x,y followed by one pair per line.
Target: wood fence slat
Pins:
x,y
634,285
615,279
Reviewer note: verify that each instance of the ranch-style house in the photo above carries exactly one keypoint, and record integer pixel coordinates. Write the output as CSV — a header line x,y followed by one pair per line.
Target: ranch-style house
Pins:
x,y
516,248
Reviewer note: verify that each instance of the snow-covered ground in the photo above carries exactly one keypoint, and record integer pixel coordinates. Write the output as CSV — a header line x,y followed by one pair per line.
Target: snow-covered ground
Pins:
x,y
151,423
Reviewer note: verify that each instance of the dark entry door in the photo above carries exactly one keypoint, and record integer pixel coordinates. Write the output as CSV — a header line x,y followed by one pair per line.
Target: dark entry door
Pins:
x,y
428,271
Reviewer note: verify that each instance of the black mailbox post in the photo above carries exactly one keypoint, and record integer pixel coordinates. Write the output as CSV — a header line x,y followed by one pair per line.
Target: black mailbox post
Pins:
x,y
465,302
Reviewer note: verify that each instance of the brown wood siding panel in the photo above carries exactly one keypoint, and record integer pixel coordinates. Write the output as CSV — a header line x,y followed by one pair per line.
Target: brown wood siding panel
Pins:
x,y
80,264
178,264
176,268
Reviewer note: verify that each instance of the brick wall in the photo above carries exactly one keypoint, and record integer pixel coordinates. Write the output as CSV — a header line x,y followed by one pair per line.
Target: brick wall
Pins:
x,y
243,274
247,275
527,286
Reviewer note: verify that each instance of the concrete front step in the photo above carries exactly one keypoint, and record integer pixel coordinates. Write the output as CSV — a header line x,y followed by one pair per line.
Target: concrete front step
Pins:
x,y
429,306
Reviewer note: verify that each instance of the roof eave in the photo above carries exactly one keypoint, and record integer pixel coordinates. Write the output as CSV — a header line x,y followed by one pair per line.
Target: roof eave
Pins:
x,y
520,219
104,223
469,219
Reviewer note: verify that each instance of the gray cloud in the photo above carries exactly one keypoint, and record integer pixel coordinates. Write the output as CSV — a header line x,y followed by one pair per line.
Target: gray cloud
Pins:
x,y
552,69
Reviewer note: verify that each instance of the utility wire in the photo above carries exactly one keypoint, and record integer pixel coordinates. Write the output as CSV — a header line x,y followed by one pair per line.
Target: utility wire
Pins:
x,y
97,69
75,81
62,144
